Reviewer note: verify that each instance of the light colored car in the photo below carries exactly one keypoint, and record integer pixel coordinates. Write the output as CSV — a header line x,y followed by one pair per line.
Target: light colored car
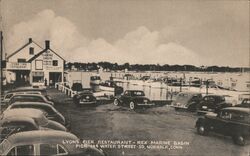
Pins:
x,y
35,114
29,98
49,111
187,100
39,142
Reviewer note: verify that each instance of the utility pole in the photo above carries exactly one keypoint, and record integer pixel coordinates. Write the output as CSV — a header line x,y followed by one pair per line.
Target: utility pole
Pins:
x,y
1,66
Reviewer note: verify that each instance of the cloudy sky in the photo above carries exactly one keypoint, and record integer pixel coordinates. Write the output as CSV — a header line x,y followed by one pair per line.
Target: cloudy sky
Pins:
x,y
135,31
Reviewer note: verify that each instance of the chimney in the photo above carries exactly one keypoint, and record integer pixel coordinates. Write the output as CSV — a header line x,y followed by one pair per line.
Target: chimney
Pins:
x,y
30,40
47,44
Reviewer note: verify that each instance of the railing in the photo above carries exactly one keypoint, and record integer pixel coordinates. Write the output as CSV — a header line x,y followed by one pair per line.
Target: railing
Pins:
x,y
63,87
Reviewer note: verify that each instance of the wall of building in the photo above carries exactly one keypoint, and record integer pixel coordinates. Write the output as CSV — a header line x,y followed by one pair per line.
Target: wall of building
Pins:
x,y
44,64
25,53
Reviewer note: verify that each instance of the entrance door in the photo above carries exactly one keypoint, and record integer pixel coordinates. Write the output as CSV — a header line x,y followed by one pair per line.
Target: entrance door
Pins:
x,y
54,77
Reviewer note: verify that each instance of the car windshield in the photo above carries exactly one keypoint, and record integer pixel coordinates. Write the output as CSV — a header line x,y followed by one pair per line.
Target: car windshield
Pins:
x,y
137,93
4,146
246,101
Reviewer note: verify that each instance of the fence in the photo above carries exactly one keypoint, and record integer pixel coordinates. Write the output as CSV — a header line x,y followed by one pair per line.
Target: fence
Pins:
x,y
63,87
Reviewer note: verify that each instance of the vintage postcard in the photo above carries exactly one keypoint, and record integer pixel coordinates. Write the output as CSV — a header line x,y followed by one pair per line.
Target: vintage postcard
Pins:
x,y
125,77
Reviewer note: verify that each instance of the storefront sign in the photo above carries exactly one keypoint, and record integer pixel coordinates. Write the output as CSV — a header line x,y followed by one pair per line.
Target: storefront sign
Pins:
x,y
37,73
17,66
47,59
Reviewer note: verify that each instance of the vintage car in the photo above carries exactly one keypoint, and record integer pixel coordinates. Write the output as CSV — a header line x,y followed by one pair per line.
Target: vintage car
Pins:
x,y
187,100
41,143
245,103
212,103
15,124
133,98
49,111
85,97
35,114
230,121
29,98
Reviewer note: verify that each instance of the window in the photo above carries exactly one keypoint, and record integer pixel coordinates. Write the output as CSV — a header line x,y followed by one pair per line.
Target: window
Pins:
x,y
52,149
25,150
48,149
21,60
39,64
55,62
225,115
8,96
31,51
38,76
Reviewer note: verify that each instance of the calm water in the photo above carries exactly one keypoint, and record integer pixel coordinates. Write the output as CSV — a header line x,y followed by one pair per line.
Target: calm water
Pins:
x,y
158,93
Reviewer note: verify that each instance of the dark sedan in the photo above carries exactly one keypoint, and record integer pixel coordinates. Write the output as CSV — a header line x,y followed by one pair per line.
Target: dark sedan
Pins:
x,y
212,103
245,103
84,98
231,121
134,99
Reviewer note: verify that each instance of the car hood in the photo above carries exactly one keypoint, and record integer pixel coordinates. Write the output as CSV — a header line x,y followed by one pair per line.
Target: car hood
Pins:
x,y
55,126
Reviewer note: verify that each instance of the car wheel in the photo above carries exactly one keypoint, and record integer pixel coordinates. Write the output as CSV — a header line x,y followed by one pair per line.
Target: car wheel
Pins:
x,y
116,102
201,130
132,105
239,140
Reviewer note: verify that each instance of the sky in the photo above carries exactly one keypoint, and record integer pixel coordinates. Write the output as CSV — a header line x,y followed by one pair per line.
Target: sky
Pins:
x,y
134,31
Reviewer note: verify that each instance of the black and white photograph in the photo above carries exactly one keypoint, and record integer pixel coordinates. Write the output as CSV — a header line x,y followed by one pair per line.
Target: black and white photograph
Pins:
x,y
125,77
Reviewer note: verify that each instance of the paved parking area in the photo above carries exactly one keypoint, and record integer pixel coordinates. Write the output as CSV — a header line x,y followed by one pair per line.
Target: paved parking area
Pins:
x,y
156,131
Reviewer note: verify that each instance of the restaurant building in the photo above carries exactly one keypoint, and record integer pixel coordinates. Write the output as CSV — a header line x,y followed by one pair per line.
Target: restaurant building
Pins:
x,y
34,65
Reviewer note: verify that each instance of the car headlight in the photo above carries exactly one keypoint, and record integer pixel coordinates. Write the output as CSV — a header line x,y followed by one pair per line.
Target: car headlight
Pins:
x,y
204,107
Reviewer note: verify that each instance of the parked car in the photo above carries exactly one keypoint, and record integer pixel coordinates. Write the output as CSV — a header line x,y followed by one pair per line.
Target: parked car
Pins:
x,y
40,142
187,100
7,96
212,103
29,98
84,98
15,124
133,98
50,112
245,103
230,121
35,114
26,90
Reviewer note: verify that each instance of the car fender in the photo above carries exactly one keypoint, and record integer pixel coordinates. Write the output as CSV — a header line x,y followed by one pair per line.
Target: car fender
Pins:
x,y
200,121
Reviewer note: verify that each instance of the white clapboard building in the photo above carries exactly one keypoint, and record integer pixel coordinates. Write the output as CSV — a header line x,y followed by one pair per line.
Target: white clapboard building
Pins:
x,y
32,64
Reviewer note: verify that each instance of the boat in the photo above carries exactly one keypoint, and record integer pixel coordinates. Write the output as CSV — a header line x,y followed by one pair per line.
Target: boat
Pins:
x,y
110,86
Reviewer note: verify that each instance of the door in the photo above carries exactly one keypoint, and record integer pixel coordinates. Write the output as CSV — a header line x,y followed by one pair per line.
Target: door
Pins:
x,y
54,77
126,97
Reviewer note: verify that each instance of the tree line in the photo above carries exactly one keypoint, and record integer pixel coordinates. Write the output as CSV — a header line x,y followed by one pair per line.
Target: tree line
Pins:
x,y
108,66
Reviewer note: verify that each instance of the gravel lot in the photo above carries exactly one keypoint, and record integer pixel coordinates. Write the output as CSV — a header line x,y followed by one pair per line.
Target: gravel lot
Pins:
x,y
106,122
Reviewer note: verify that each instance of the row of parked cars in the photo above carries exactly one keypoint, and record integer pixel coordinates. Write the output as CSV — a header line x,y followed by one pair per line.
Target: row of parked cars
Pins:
x,y
217,115
31,125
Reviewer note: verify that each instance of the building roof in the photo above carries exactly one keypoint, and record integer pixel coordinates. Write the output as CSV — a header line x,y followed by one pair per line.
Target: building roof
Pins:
x,y
40,53
25,45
